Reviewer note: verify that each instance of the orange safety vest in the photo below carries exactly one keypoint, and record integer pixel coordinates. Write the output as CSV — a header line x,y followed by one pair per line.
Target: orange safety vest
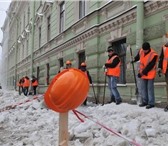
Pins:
x,y
113,71
144,61
35,83
165,59
26,83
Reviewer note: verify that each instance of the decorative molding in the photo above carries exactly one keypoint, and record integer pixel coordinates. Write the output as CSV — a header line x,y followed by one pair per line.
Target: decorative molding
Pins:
x,y
60,39
80,47
118,22
46,6
152,7
165,17
113,24
60,55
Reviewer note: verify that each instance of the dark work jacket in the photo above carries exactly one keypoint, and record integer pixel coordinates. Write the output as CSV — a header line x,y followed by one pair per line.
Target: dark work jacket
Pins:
x,y
88,74
150,65
34,79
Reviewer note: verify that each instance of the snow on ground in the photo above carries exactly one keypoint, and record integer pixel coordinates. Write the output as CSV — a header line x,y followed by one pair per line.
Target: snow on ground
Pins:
x,y
32,124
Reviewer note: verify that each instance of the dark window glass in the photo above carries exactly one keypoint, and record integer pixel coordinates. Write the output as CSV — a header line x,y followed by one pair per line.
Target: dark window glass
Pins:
x,y
48,74
81,58
81,9
120,48
62,16
39,37
48,28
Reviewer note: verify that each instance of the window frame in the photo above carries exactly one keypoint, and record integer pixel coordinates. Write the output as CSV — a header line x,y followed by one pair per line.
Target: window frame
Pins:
x,y
82,9
48,28
48,74
39,35
62,16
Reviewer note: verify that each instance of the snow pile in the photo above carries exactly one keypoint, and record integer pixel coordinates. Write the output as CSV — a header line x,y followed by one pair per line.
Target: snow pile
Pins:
x,y
32,124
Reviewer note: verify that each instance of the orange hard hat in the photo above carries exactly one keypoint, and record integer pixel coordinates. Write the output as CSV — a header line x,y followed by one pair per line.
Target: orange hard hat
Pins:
x,y
83,64
68,62
62,96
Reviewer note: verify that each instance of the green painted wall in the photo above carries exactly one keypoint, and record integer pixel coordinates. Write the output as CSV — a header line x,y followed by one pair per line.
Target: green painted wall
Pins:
x,y
95,46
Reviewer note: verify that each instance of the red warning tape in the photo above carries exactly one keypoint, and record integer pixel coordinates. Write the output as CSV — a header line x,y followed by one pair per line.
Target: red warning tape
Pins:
x,y
112,131
13,106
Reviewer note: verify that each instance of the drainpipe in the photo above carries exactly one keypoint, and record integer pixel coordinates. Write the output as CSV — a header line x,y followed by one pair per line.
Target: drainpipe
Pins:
x,y
32,47
16,49
139,24
139,35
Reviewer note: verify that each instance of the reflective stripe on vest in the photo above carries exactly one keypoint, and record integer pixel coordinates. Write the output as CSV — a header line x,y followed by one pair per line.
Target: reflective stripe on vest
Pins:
x,y
165,59
144,61
113,71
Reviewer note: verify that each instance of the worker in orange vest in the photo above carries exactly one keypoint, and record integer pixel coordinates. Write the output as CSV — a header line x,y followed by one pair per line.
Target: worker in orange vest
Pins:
x,y
83,68
147,72
163,67
26,84
68,64
112,66
34,83
20,85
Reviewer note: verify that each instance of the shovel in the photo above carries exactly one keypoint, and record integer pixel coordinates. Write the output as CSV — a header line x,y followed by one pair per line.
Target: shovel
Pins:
x,y
138,97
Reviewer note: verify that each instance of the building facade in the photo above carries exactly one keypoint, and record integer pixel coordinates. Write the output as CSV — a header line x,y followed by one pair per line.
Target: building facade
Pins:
x,y
43,35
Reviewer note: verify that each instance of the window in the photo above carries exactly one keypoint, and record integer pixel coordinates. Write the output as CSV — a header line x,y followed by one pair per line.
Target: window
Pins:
x,y
13,83
20,27
61,62
81,9
61,65
23,50
39,36
28,15
27,47
24,21
38,72
62,16
120,48
48,28
48,74
81,58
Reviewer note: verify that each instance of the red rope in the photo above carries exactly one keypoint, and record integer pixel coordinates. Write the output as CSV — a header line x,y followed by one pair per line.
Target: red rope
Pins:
x,y
9,107
112,131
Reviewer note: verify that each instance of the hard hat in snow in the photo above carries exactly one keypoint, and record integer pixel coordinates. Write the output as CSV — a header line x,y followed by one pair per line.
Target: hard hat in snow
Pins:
x,y
67,90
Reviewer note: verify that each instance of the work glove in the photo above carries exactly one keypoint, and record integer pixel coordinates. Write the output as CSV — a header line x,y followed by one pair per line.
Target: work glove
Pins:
x,y
132,60
104,67
139,75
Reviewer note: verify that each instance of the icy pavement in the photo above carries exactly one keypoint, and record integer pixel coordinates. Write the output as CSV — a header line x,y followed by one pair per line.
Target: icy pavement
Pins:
x,y
32,124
